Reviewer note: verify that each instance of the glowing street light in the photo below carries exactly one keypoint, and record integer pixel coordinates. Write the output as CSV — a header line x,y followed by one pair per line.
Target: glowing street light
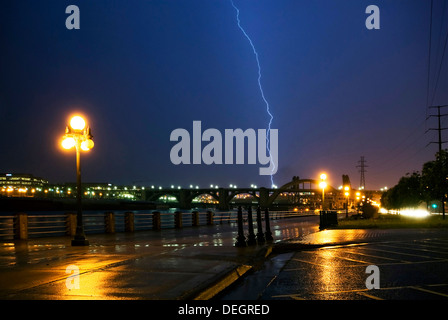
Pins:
x,y
79,136
323,185
347,194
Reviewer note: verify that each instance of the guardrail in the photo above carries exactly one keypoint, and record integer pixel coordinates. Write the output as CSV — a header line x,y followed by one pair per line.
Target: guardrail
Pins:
x,y
25,226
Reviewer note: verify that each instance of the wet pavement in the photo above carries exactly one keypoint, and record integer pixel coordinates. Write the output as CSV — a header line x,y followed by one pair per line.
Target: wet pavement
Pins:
x,y
202,263
332,265
188,263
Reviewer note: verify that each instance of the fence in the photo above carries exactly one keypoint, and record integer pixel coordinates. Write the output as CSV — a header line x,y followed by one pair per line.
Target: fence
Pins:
x,y
25,226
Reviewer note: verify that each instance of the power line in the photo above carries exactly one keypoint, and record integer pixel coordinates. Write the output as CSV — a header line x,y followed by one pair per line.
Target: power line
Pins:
x,y
443,55
429,54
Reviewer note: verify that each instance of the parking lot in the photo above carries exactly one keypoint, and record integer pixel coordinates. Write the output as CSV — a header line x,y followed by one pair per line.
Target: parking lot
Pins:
x,y
408,270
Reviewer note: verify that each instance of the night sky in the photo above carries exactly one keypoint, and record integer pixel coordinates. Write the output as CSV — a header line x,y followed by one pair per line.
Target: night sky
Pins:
x,y
140,69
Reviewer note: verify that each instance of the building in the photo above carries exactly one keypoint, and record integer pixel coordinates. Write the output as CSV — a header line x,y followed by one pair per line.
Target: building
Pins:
x,y
21,184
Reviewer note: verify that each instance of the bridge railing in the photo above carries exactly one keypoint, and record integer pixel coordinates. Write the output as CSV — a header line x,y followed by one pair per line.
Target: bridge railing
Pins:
x,y
25,226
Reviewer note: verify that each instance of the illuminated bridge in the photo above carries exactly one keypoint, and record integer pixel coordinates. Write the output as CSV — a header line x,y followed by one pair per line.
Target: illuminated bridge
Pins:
x,y
264,196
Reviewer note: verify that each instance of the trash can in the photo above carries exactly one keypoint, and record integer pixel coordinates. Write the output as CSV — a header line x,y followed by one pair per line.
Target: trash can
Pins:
x,y
327,218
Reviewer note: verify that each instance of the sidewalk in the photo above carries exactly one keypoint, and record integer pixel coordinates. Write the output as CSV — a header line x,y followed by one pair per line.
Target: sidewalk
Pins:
x,y
188,263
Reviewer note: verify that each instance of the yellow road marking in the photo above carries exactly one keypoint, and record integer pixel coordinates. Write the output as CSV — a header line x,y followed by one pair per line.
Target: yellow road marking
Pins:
x,y
362,293
430,291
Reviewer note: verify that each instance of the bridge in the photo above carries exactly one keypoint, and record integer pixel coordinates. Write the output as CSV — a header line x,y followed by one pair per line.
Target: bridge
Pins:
x,y
264,196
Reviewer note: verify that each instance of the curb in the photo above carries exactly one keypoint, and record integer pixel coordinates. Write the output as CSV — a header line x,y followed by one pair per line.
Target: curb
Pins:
x,y
225,280
223,283
288,247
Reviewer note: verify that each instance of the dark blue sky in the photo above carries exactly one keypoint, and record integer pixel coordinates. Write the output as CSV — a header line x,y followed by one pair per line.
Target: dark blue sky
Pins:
x,y
140,69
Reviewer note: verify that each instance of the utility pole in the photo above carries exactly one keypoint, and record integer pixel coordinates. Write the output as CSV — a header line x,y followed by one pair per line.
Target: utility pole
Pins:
x,y
439,128
439,142
362,169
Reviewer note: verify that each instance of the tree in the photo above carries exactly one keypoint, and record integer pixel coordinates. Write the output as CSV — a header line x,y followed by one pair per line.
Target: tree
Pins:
x,y
406,194
434,179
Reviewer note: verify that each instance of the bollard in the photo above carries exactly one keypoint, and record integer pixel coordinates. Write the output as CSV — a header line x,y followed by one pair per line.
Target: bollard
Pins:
x,y
129,222
156,223
70,224
260,235
178,219
240,240
251,240
195,218
268,233
21,226
109,222
209,218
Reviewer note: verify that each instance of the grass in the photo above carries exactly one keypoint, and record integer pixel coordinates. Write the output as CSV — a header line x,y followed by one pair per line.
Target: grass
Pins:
x,y
392,221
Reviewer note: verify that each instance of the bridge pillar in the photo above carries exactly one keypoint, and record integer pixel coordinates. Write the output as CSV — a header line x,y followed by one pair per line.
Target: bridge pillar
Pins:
x,y
263,199
223,203
184,199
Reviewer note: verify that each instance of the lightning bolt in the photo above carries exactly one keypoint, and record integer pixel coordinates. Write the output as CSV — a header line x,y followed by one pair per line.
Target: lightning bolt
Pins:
x,y
271,117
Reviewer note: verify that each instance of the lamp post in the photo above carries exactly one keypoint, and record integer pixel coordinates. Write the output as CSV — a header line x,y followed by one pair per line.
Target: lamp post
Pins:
x,y
347,194
323,185
79,136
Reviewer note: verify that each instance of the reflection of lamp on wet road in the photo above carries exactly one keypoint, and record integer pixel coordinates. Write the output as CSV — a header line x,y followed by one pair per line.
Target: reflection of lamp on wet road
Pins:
x,y
78,135
323,185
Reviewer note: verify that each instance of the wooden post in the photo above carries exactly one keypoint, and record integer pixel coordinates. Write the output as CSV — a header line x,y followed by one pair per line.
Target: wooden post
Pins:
x,y
109,222
21,226
70,223
209,218
129,224
156,223
195,218
178,219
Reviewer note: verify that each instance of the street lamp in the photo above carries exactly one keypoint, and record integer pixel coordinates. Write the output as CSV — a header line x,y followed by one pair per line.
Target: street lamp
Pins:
x,y
347,194
79,136
323,185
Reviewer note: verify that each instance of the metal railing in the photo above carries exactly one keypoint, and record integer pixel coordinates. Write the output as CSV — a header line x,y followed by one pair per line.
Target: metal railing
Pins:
x,y
25,226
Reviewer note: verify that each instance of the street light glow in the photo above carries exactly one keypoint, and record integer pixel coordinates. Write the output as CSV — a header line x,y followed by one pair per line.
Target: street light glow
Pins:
x,y
77,123
323,176
68,143
87,145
